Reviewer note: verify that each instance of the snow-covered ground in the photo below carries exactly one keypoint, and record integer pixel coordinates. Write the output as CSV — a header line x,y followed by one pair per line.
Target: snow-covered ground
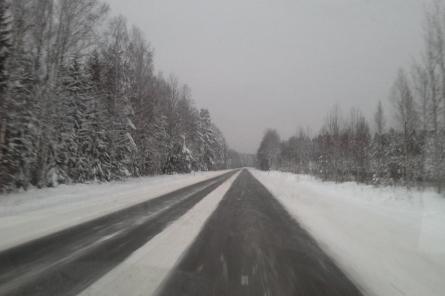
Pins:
x,y
143,272
28,215
390,241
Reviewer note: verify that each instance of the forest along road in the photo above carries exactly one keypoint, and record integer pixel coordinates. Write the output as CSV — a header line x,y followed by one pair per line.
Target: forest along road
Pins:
x,y
68,261
251,246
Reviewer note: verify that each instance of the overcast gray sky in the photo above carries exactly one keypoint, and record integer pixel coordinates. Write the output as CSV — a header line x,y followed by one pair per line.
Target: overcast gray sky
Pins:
x,y
257,64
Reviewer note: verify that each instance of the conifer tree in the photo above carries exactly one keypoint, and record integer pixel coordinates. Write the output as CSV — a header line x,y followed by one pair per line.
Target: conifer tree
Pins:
x,y
4,54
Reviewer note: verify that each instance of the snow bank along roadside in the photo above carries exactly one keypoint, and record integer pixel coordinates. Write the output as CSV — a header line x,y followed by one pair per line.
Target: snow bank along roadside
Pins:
x,y
145,269
29,215
390,241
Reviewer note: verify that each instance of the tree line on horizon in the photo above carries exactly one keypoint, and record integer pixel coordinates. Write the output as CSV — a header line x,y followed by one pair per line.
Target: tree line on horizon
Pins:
x,y
80,101
348,148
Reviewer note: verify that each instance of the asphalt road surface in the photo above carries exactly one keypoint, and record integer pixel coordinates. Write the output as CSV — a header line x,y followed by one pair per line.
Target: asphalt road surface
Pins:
x,y
250,246
67,262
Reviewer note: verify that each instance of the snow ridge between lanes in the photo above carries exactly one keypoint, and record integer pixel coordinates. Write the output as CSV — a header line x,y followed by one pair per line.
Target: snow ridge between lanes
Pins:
x,y
389,240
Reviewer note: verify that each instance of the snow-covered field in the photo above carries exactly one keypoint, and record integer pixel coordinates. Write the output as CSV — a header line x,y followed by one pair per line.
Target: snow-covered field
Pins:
x,y
143,272
390,241
28,215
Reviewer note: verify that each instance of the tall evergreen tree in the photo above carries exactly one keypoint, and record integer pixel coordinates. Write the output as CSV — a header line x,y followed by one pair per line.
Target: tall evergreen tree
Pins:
x,y
378,146
4,54
5,44
73,109
269,150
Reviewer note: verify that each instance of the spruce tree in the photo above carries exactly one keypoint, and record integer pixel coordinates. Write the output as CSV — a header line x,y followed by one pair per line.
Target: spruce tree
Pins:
x,y
99,121
5,36
4,54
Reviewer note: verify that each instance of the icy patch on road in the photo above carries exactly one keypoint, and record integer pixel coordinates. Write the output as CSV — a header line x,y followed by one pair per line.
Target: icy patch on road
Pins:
x,y
389,240
145,269
29,215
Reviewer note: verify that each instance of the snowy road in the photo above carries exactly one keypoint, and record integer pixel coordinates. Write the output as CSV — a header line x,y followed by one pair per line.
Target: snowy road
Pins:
x,y
66,262
245,233
251,246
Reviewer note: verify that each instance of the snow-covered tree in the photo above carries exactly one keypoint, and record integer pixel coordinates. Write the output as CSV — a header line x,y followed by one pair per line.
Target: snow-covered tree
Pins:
x,y
207,133
98,121
5,44
407,119
75,107
19,161
269,150
429,79
116,84
377,150
180,159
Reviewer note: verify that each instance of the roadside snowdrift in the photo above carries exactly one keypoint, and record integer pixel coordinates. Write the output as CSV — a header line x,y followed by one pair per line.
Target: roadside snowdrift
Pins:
x,y
391,241
29,215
